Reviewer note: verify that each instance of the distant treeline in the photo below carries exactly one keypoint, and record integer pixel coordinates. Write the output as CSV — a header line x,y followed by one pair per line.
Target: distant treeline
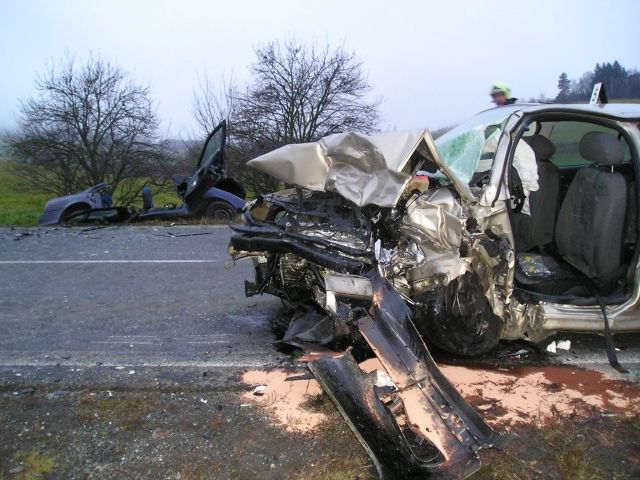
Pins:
x,y
617,80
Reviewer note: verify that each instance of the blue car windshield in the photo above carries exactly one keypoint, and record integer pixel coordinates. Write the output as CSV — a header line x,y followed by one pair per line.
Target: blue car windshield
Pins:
x,y
470,147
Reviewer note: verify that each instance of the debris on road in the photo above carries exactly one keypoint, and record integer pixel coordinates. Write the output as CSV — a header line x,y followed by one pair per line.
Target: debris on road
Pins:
x,y
259,390
559,344
58,394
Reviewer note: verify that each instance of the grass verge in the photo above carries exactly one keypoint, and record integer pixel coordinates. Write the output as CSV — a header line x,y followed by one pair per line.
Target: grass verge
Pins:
x,y
21,205
35,466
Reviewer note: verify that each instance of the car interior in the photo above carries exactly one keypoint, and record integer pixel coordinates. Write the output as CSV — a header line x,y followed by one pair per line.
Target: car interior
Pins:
x,y
578,242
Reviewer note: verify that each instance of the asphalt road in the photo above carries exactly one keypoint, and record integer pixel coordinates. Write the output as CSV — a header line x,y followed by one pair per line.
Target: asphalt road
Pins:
x,y
156,296
134,296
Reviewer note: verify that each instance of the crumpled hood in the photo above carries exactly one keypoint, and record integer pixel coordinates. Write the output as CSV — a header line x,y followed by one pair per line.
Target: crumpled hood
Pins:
x,y
363,169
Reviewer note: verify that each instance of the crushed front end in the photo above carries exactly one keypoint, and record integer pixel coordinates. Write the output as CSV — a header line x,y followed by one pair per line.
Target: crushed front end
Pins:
x,y
366,274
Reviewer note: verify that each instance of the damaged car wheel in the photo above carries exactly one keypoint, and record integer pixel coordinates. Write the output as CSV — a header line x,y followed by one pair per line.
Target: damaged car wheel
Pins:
x,y
72,211
457,318
219,212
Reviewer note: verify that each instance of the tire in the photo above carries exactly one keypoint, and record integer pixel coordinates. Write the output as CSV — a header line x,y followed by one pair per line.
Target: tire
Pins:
x,y
458,318
219,212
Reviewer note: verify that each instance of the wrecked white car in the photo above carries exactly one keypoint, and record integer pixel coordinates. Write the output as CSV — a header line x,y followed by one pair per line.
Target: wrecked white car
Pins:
x,y
515,225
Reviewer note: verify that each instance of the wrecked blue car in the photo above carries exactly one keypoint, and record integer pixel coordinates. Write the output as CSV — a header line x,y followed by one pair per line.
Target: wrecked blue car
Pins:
x,y
208,193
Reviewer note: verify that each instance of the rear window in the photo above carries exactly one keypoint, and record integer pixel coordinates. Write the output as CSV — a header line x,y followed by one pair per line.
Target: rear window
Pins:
x,y
566,137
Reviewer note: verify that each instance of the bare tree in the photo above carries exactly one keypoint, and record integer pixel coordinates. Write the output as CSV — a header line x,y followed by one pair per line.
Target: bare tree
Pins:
x,y
301,93
85,126
212,105
297,93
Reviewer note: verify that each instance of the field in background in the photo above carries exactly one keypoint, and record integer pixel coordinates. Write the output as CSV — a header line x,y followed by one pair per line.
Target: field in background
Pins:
x,y
21,205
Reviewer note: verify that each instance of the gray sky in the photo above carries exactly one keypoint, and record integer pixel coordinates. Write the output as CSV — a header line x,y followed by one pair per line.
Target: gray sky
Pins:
x,y
432,62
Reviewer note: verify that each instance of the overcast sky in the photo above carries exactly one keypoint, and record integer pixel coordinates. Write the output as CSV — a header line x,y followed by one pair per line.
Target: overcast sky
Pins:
x,y
431,62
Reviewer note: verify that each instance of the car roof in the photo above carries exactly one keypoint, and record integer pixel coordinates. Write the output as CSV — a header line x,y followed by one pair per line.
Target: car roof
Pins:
x,y
618,111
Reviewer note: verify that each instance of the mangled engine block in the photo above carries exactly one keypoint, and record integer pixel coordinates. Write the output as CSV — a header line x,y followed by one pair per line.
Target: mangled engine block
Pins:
x,y
390,278
311,247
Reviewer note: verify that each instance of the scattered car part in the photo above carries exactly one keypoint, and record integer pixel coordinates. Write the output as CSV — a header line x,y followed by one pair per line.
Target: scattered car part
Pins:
x,y
206,193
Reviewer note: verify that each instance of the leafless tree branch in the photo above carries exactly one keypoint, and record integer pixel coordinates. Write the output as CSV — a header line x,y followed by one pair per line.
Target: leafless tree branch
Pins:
x,y
297,93
86,125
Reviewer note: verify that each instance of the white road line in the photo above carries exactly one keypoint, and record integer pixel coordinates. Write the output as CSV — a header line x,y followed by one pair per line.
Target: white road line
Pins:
x,y
62,262
244,363
133,336
159,342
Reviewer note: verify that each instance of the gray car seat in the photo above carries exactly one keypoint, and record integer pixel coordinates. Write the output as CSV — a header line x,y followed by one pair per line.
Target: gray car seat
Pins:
x,y
589,228
537,229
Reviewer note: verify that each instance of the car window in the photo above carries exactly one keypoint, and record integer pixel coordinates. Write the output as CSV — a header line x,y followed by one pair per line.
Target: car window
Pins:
x,y
213,146
566,137
470,147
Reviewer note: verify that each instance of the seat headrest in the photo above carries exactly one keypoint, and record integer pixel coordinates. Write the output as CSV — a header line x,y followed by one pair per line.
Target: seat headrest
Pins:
x,y
602,148
542,146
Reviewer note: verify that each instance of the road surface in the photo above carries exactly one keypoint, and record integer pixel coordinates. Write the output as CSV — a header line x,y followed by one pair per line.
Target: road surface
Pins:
x,y
154,296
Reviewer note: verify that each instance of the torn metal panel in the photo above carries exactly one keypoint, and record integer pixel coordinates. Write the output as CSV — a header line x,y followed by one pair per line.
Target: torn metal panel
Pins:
x,y
371,421
393,336
431,407
436,219
351,286
366,170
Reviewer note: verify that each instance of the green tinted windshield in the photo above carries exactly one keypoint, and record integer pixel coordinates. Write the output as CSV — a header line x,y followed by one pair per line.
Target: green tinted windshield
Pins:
x,y
469,147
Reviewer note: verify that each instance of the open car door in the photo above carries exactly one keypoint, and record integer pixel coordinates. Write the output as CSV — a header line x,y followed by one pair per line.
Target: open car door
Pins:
x,y
209,169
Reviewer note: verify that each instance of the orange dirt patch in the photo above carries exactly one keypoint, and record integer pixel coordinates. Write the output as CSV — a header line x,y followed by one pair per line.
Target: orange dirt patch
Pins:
x,y
537,395
528,395
285,396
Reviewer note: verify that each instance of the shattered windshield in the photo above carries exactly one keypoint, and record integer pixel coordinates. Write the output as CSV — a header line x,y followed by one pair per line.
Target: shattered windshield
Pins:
x,y
469,147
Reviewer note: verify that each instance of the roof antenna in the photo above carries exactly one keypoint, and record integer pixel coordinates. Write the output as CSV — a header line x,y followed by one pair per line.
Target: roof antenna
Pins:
x,y
598,96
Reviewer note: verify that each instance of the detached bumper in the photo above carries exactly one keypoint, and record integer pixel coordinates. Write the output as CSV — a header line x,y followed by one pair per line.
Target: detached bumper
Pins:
x,y
393,426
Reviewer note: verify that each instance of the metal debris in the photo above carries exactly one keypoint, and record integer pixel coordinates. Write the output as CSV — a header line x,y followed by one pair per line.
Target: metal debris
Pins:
x,y
260,390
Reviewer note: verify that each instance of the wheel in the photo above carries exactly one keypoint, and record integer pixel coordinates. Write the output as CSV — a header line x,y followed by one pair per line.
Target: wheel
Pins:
x,y
72,210
219,212
458,318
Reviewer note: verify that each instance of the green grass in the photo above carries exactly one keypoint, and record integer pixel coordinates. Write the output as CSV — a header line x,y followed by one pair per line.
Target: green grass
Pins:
x,y
21,205
128,412
36,465
572,453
